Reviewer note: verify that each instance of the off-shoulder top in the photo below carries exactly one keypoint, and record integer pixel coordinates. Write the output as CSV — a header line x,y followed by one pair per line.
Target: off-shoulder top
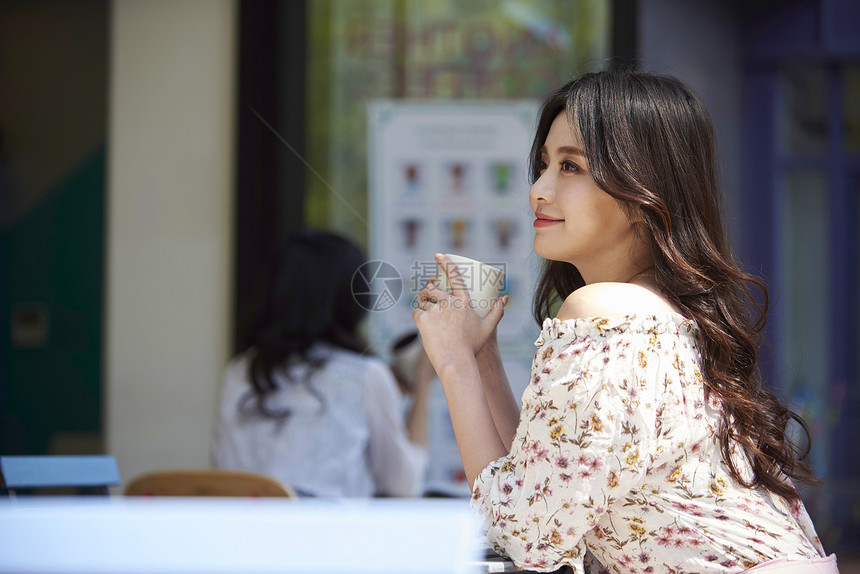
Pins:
x,y
615,456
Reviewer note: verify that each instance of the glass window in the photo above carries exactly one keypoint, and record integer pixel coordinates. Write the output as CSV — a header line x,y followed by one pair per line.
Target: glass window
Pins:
x,y
804,336
803,121
851,108
361,50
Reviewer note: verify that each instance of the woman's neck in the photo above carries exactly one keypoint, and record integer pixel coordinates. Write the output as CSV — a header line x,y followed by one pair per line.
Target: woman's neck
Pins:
x,y
626,272
644,277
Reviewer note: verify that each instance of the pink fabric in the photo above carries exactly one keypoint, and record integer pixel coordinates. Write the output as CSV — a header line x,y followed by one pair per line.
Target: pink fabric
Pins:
x,y
824,565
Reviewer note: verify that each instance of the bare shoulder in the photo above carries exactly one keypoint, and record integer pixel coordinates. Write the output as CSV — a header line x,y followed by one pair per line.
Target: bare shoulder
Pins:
x,y
612,300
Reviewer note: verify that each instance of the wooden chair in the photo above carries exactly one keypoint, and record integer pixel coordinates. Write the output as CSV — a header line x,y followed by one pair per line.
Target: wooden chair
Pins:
x,y
52,473
207,482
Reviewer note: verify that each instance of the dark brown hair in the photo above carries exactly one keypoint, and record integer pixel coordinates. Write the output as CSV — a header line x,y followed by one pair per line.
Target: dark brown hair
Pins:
x,y
308,298
649,143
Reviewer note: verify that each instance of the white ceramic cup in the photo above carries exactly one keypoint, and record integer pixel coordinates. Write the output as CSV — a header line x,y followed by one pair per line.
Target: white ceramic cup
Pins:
x,y
484,282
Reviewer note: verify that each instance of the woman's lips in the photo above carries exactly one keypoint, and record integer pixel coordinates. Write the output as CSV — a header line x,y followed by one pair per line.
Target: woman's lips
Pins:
x,y
544,221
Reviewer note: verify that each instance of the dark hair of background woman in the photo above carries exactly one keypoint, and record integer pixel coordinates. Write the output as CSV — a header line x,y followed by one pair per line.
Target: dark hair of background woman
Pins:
x,y
307,298
649,143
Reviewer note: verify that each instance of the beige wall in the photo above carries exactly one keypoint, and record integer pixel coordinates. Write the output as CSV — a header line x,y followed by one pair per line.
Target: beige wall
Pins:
x,y
168,268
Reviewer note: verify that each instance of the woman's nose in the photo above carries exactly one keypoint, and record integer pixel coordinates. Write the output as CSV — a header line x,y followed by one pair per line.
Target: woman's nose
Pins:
x,y
541,191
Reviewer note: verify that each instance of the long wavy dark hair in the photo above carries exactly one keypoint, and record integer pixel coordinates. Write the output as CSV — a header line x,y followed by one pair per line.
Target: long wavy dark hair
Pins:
x,y
308,298
649,143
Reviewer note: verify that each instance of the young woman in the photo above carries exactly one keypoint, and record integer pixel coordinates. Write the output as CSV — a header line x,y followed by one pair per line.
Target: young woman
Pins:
x,y
646,441
304,403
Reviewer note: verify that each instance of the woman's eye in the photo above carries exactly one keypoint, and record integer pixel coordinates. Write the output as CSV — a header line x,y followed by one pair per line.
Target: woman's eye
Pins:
x,y
541,166
570,166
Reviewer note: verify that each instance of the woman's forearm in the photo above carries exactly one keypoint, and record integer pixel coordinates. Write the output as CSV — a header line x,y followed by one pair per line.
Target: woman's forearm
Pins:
x,y
477,438
503,404
416,420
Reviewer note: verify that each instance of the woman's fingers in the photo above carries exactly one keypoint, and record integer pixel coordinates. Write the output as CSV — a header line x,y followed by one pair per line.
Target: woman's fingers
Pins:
x,y
497,311
455,279
424,294
446,323
430,292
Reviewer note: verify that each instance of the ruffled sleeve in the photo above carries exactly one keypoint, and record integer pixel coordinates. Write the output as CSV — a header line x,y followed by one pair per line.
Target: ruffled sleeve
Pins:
x,y
586,434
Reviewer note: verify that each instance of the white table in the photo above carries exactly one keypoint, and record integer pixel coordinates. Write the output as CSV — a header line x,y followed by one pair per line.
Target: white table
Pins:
x,y
222,535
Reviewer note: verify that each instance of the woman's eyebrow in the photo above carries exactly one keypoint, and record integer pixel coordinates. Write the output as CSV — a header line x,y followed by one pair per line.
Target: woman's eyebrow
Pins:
x,y
571,150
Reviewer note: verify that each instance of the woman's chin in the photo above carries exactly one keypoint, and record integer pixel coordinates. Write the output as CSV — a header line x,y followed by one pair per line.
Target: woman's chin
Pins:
x,y
545,249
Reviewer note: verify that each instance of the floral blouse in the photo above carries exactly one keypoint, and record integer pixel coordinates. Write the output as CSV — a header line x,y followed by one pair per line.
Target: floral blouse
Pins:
x,y
615,459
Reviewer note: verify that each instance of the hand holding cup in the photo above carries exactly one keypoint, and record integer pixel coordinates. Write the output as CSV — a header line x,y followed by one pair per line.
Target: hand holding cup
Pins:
x,y
482,281
458,310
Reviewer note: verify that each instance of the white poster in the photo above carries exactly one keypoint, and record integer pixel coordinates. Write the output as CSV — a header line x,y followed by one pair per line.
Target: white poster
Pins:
x,y
451,177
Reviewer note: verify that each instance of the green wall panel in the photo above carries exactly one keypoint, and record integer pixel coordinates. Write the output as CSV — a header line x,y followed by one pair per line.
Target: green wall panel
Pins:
x,y
53,262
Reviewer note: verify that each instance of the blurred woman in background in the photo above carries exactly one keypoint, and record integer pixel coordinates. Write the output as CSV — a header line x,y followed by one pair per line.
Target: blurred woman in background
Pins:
x,y
304,403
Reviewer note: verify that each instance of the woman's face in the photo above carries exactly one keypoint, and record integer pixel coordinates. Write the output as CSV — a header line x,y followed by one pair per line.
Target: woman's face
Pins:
x,y
575,220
